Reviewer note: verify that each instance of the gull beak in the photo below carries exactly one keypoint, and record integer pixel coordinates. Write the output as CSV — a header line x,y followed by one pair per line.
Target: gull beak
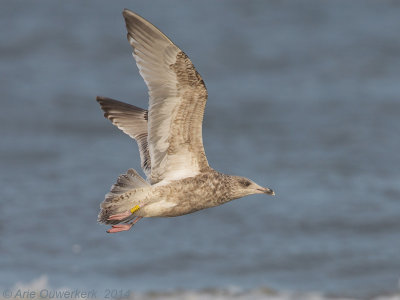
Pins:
x,y
268,191
263,190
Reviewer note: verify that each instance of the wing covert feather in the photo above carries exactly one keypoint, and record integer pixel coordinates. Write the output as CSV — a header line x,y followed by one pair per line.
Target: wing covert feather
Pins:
x,y
177,98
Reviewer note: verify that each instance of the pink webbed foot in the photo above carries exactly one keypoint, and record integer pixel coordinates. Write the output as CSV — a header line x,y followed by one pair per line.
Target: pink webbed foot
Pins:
x,y
119,228
120,216
123,227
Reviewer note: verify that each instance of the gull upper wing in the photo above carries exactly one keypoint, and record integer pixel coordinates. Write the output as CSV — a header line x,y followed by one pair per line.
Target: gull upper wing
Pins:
x,y
177,98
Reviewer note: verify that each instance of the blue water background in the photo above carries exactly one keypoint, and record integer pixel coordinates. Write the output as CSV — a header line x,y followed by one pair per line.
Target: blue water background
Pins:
x,y
304,97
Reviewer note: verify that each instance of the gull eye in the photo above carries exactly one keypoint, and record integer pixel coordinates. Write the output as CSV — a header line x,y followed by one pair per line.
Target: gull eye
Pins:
x,y
245,183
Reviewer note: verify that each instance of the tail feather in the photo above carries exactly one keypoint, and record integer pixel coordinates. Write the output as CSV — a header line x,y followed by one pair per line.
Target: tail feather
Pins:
x,y
119,199
126,182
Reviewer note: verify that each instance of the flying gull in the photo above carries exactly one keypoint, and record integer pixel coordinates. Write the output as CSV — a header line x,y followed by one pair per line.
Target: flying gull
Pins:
x,y
169,136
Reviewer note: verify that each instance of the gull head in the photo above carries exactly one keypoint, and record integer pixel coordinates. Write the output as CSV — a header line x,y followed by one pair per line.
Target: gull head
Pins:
x,y
243,187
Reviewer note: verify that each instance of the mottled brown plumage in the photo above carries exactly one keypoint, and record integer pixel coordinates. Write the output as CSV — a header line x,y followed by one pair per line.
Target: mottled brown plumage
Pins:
x,y
169,135
179,197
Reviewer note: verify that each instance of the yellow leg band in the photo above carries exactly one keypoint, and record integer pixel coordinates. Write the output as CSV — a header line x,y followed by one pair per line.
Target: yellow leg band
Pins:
x,y
137,207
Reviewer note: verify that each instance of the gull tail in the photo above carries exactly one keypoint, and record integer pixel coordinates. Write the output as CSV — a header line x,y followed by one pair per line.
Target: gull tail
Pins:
x,y
121,197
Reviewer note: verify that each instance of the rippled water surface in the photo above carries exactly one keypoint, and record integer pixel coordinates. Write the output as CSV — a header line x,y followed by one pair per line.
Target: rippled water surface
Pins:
x,y
303,98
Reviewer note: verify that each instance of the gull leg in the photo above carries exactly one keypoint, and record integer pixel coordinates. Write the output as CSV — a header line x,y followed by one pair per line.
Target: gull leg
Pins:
x,y
136,220
123,227
121,216
124,215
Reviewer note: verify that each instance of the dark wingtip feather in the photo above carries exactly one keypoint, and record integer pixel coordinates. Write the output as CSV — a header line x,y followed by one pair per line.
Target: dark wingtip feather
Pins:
x,y
101,99
126,11
103,105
